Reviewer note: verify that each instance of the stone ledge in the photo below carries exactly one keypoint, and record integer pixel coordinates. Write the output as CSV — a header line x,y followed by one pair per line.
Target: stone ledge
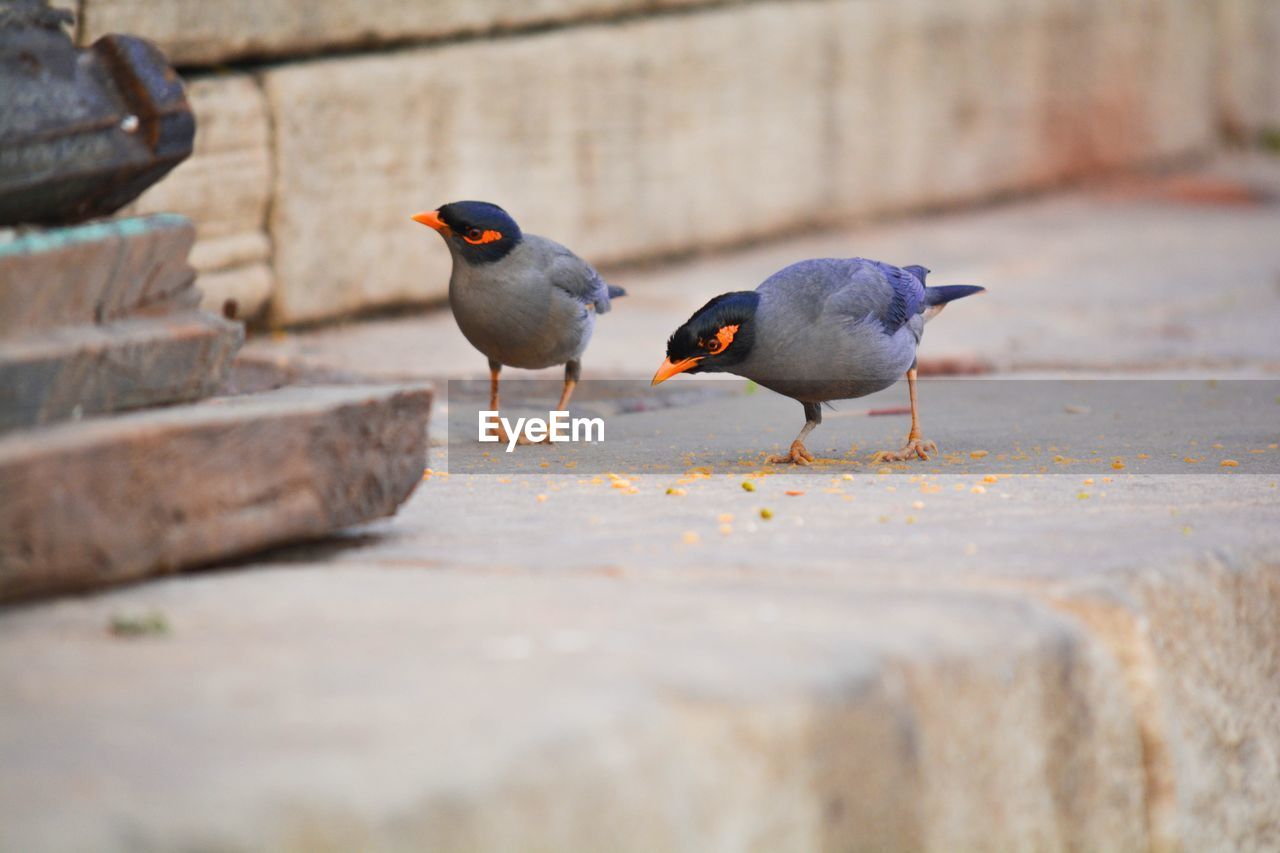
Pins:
x,y
196,32
76,371
582,714
93,273
116,499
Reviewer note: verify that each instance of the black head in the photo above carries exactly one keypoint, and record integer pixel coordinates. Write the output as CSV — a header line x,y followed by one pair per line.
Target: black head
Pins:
x,y
718,336
478,231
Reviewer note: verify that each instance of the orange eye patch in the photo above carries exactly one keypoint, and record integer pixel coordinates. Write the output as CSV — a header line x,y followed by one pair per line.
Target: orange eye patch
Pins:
x,y
723,338
476,237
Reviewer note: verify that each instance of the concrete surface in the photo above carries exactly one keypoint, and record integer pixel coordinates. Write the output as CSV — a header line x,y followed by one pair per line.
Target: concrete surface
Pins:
x,y
968,654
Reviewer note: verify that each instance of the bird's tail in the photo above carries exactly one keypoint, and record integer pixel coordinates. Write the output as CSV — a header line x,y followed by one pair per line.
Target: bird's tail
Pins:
x,y
949,292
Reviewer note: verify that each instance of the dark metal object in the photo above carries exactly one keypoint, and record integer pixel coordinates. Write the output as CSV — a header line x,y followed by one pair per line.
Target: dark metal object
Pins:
x,y
82,132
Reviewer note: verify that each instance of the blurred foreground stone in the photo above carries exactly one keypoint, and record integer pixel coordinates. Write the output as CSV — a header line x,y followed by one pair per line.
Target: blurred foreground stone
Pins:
x,y
116,499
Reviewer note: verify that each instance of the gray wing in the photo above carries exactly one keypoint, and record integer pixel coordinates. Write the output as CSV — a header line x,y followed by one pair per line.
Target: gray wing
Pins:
x,y
852,288
573,275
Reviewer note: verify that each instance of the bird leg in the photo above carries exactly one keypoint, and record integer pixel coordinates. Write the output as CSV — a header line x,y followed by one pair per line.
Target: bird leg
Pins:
x,y
572,370
503,436
798,454
916,447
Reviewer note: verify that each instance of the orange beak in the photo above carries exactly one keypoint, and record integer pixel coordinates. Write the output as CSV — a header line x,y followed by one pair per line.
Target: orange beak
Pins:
x,y
671,368
431,219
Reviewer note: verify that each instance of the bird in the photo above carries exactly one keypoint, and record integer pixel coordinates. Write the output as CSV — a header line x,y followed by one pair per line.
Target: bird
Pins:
x,y
520,299
819,330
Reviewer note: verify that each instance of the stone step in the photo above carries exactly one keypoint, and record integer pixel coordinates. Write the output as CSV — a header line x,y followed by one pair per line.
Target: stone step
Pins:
x,y
74,371
94,273
115,499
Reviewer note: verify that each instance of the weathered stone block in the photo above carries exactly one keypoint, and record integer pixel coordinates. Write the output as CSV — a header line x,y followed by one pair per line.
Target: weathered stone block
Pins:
x,y
1201,649
1248,53
224,188
622,141
83,370
196,32
114,499
938,103
93,273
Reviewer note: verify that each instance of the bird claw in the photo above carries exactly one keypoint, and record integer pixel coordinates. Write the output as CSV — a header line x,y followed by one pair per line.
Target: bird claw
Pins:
x,y
916,448
798,456
521,440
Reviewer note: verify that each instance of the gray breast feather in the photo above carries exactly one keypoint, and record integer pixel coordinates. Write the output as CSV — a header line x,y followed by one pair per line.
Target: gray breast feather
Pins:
x,y
515,313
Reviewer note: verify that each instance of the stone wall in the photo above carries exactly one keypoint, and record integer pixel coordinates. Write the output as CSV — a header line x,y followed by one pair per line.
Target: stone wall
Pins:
x,y
633,129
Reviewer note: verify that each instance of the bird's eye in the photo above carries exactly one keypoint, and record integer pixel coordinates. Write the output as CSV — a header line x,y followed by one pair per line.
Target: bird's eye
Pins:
x,y
474,233
714,346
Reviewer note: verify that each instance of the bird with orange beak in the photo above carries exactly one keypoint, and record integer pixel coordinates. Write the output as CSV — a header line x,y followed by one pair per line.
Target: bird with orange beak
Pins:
x,y
816,331
520,299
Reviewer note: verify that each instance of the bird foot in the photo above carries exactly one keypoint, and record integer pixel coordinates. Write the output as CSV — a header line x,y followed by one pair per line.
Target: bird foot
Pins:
x,y
521,440
797,456
916,448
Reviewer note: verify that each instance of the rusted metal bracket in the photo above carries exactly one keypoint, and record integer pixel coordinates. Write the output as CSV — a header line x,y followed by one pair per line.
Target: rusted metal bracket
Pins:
x,y
82,132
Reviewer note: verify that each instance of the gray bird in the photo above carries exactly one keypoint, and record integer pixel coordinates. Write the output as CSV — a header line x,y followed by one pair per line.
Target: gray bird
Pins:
x,y
818,330
521,299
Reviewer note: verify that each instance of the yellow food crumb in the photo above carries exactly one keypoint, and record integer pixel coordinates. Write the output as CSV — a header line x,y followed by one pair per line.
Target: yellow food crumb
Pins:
x,y
725,517
1083,496
748,486
541,498
846,476
674,491
885,471
690,537
1117,464
1088,481
991,478
917,504
621,484
979,490
978,454
1229,463
766,513
1189,460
